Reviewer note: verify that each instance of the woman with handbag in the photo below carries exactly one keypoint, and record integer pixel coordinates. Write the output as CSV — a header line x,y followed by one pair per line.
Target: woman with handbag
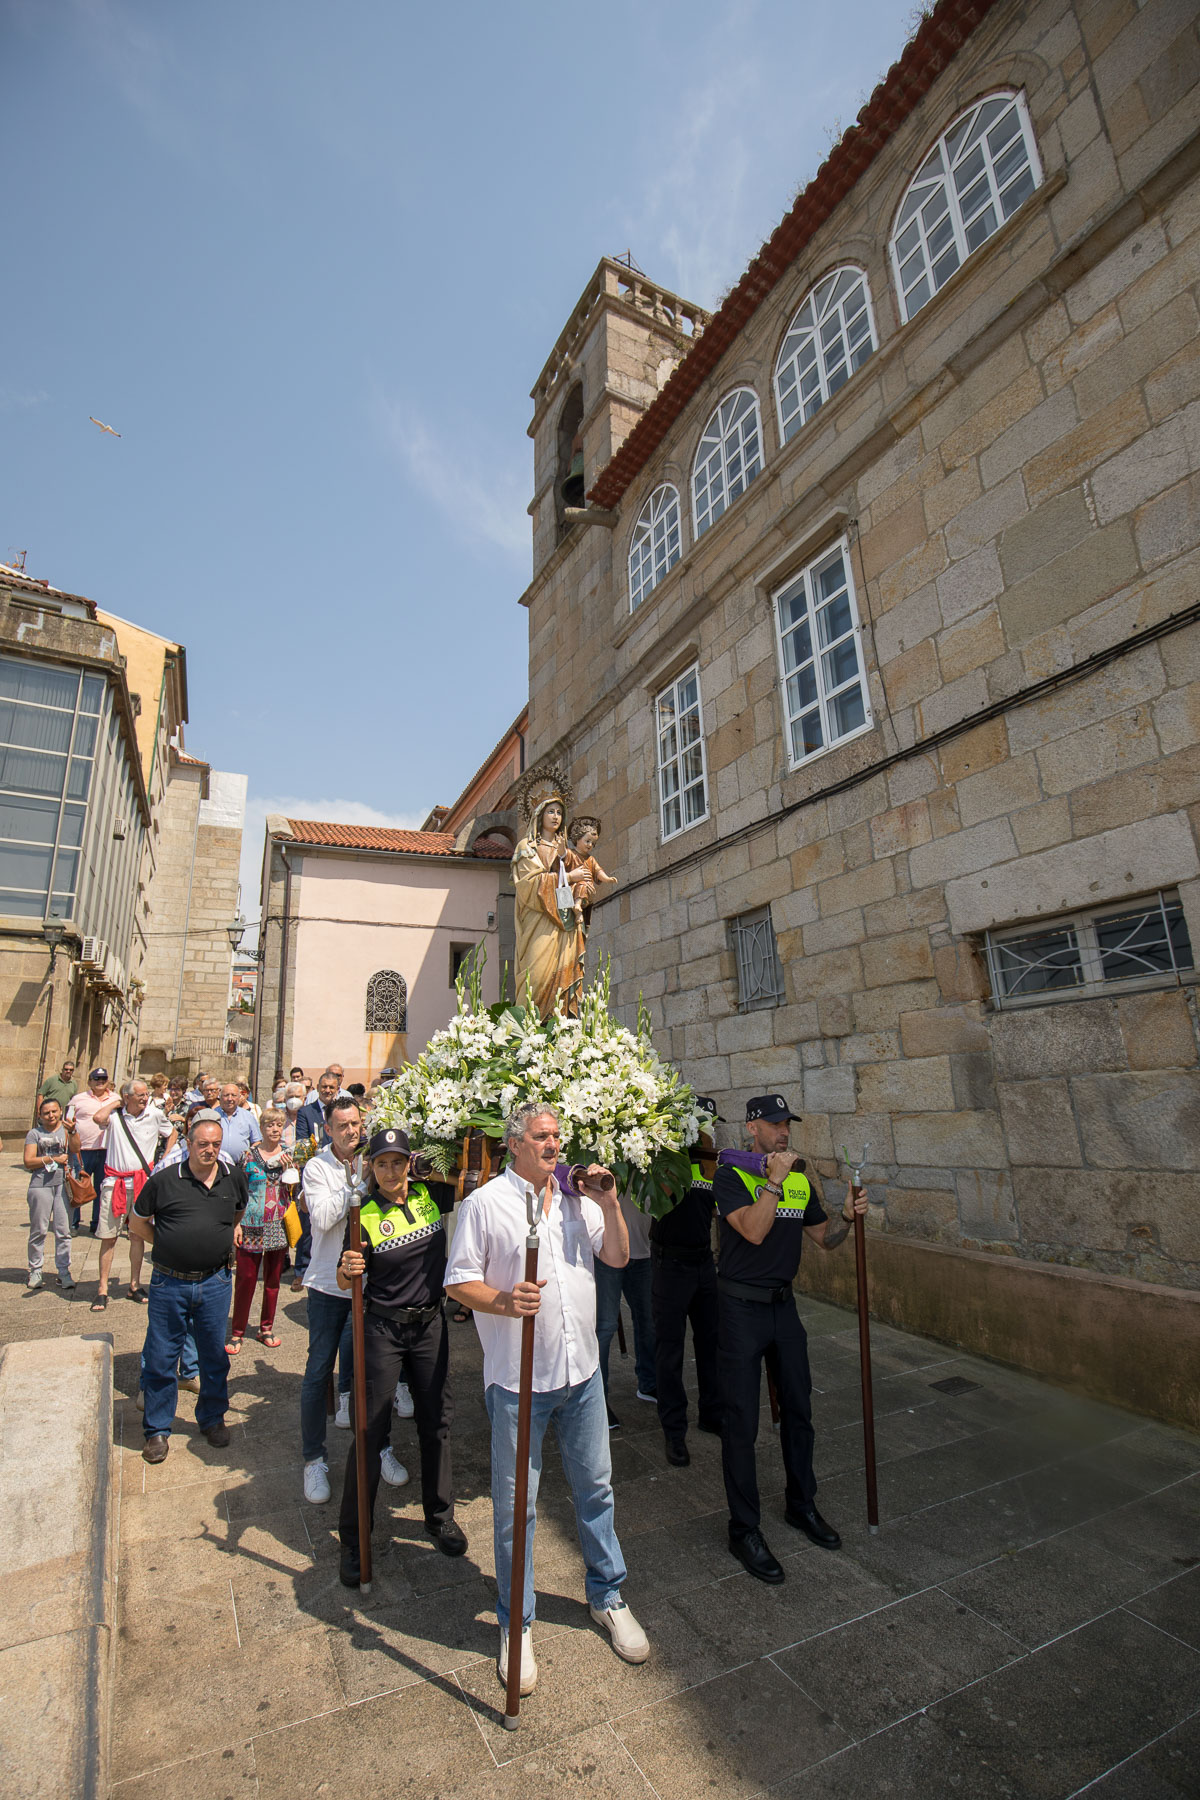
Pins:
x,y
264,1237
46,1151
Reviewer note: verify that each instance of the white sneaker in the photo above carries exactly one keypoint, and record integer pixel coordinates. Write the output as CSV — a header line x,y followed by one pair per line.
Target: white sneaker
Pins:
x,y
403,1401
628,1639
528,1665
392,1470
33,1284
316,1481
341,1417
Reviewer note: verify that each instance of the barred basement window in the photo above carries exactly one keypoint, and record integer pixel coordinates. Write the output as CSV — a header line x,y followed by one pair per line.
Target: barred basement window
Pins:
x,y
975,177
760,978
1130,945
830,337
387,1002
656,544
728,458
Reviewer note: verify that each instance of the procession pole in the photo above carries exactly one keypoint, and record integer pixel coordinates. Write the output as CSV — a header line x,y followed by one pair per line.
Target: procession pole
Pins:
x,y
864,1345
516,1591
358,1335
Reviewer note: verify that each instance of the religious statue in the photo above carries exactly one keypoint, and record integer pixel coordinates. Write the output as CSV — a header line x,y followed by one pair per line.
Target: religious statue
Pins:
x,y
555,886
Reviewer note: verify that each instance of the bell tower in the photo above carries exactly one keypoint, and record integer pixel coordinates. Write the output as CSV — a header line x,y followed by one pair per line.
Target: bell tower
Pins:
x,y
614,355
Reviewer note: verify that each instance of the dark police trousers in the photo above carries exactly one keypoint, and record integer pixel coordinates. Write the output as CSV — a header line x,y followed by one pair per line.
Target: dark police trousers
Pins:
x,y
750,1332
389,1346
681,1290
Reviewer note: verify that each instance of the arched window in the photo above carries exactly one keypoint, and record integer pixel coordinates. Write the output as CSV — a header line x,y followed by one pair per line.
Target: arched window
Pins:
x,y
975,177
832,335
656,545
387,1002
728,458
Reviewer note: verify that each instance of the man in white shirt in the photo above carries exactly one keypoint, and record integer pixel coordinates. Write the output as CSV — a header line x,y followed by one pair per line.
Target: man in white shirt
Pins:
x,y
133,1132
327,1179
486,1273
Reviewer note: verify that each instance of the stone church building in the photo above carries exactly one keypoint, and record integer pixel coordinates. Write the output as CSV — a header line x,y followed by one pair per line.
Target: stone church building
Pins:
x,y
865,613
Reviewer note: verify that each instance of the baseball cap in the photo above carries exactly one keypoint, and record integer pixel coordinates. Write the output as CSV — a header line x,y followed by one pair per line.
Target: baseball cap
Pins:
x,y
393,1141
772,1107
98,1075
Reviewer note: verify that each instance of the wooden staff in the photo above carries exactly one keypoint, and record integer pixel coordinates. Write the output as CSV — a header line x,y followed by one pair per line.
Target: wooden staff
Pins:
x,y
516,1591
358,1335
864,1343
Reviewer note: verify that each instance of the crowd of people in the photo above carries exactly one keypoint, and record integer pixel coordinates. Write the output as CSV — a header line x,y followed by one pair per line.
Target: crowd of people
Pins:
x,y
224,1191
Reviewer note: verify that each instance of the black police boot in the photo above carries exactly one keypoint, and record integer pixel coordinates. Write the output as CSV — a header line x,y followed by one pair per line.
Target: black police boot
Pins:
x,y
677,1452
450,1538
754,1554
349,1569
808,1520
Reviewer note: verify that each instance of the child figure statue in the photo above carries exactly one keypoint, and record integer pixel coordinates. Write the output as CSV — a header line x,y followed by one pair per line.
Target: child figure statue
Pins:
x,y
584,873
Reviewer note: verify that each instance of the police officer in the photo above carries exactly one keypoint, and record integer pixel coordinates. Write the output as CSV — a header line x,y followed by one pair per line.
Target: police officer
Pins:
x,y
764,1220
683,1286
403,1259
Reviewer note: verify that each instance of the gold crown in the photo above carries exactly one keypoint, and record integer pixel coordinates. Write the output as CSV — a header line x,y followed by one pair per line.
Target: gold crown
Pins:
x,y
541,784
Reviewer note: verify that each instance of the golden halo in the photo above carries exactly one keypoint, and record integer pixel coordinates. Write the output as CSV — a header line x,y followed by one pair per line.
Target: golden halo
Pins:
x,y
537,785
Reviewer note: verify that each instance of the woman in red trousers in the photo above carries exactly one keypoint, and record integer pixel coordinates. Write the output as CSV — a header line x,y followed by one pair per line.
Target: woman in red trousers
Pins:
x,y
264,1240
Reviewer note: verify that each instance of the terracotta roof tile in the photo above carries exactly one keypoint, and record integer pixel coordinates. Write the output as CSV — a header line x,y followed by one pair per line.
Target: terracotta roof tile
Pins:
x,y
373,837
932,49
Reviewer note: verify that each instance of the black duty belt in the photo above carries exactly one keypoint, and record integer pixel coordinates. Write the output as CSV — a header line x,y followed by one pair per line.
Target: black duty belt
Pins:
x,y
741,1290
404,1315
693,1256
191,1274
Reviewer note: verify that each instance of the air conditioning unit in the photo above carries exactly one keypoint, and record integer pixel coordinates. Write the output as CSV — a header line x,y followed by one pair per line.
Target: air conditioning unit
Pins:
x,y
90,952
120,828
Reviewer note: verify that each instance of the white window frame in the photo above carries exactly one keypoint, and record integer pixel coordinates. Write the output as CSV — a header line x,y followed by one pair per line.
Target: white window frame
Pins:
x,y
985,191
828,331
670,761
1081,927
829,689
651,547
728,457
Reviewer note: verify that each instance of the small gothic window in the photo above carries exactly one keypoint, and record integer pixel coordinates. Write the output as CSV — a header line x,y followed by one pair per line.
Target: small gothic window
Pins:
x,y
387,1002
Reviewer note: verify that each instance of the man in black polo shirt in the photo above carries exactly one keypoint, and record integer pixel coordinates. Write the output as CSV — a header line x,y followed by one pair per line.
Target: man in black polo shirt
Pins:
x,y
683,1286
764,1221
190,1216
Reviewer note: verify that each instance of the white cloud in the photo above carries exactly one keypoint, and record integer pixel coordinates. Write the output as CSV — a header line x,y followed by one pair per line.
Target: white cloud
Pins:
x,y
484,493
292,806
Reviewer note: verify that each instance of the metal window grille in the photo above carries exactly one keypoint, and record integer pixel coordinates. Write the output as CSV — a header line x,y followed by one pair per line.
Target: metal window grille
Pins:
x,y
657,543
825,696
760,977
387,1002
830,337
1142,945
728,458
682,775
975,177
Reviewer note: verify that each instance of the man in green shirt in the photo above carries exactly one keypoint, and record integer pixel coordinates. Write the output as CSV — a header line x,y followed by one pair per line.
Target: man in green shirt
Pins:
x,y
60,1087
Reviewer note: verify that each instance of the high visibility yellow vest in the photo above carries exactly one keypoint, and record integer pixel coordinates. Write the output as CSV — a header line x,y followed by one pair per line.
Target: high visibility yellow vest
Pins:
x,y
418,1217
796,1193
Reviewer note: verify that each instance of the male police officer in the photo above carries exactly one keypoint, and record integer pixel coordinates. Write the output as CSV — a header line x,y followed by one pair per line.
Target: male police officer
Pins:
x,y
764,1221
683,1286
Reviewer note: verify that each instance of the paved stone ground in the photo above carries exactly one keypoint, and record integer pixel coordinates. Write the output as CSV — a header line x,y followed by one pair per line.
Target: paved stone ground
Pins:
x,y
1027,1622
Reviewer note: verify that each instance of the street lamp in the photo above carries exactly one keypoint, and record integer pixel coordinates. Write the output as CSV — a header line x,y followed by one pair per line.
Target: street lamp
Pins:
x,y
235,931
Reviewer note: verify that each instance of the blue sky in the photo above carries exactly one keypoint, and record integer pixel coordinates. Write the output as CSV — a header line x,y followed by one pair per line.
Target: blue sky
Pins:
x,y
308,260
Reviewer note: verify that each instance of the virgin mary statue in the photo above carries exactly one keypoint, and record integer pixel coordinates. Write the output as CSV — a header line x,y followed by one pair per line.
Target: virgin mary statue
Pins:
x,y
548,923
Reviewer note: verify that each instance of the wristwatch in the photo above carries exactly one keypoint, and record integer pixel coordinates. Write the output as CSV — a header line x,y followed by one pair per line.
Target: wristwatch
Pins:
x,y
773,1188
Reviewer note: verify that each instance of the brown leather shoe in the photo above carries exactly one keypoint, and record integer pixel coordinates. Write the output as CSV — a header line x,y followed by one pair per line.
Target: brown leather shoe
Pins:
x,y
218,1435
156,1448
191,1383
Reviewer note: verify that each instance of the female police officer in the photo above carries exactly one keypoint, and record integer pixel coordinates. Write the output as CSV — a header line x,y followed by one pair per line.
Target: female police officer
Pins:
x,y
404,1262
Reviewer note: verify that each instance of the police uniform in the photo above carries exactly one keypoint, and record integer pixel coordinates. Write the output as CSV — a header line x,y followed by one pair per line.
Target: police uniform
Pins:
x,y
758,1320
404,1248
683,1287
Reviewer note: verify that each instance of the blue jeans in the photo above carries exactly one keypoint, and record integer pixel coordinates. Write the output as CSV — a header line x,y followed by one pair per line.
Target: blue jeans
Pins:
x,y
171,1307
329,1341
634,1282
93,1165
189,1359
581,1426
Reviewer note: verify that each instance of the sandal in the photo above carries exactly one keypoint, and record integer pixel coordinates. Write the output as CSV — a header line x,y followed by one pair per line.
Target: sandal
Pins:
x,y
461,1316
135,1291
269,1342
233,1347
100,1303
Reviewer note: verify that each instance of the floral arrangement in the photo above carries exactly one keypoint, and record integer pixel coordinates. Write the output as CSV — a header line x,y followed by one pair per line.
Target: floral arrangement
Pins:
x,y
618,1103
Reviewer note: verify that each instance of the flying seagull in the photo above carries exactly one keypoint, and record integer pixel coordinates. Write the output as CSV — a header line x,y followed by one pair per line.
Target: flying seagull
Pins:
x,y
104,427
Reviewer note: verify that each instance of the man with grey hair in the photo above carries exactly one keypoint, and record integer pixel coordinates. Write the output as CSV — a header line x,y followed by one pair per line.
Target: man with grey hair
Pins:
x,y
132,1145
486,1273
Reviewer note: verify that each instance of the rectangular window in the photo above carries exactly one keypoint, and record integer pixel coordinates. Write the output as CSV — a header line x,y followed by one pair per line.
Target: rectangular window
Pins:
x,y
682,776
1142,943
760,978
820,656
48,723
459,954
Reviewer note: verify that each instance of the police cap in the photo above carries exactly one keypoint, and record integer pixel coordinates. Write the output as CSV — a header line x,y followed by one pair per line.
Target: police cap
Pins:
x,y
772,1107
392,1142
